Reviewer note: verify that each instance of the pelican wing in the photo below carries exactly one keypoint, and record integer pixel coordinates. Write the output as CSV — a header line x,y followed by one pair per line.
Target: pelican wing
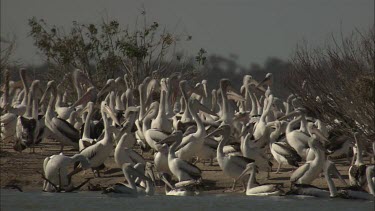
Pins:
x,y
241,161
189,168
66,129
299,172
286,151
211,143
92,150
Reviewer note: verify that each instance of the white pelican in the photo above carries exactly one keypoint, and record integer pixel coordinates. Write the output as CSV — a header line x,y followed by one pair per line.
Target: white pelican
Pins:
x,y
56,170
296,138
250,150
27,129
86,140
61,130
8,120
358,169
281,151
309,171
185,188
193,143
181,169
261,131
152,136
131,189
123,154
101,150
254,189
161,162
227,91
19,107
310,190
232,165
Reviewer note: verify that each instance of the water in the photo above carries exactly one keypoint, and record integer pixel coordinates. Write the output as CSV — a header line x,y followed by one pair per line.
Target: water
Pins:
x,y
12,200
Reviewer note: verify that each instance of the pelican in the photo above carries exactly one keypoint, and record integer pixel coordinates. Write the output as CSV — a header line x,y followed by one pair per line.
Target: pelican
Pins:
x,y
310,190
181,169
232,165
261,131
131,189
296,138
101,150
254,189
161,162
61,130
123,154
8,121
193,143
227,91
358,169
281,151
56,170
152,136
309,171
186,188
86,140
20,106
27,129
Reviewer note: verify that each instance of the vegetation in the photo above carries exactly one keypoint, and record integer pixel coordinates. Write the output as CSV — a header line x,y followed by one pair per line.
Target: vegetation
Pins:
x,y
108,50
336,82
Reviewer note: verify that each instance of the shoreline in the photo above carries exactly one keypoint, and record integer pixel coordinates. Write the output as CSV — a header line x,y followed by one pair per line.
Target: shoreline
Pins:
x,y
21,169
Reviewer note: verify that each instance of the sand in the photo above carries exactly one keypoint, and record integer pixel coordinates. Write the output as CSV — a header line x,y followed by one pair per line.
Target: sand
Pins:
x,y
22,169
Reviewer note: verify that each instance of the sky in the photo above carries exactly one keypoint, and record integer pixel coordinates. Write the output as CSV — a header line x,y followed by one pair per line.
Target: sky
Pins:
x,y
252,30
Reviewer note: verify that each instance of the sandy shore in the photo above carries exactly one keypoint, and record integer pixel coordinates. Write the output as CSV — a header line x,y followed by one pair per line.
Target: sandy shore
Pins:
x,y
21,169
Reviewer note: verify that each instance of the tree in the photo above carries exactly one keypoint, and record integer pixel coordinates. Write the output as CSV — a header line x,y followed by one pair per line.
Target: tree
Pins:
x,y
107,50
336,82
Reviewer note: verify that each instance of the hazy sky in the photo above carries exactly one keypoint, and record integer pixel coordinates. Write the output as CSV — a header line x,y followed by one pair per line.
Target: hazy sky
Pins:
x,y
253,30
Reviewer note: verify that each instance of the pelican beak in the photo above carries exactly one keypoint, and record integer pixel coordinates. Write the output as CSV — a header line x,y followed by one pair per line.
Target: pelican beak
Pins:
x,y
217,132
162,177
172,138
106,88
198,89
248,169
233,95
90,95
127,168
271,124
291,114
317,132
45,94
203,108
110,112
149,171
151,109
265,81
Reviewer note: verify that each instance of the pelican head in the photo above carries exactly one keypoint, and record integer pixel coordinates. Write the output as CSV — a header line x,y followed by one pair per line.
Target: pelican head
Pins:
x,y
104,107
266,81
50,85
226,88
251,167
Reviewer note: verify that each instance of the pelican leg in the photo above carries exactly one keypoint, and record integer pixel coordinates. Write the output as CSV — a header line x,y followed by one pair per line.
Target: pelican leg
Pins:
x,y
278,169
234,184
61,148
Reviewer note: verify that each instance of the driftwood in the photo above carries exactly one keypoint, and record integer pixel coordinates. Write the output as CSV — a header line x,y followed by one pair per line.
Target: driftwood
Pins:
x,y
59,188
